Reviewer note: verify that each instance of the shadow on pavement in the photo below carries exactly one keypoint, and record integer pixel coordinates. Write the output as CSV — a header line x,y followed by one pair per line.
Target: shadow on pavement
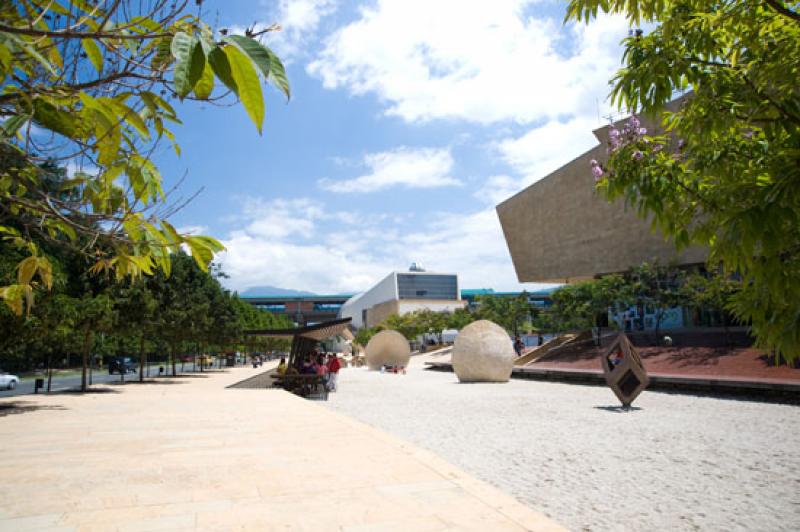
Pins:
x,y
23,407
159,381
91,390
618,409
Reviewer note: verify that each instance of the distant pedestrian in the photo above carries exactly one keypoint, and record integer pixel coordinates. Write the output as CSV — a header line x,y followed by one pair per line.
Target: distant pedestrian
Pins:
x,y
518,345
333,372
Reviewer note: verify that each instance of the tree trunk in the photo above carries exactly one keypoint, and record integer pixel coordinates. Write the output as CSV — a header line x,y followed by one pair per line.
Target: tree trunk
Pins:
x,y
87,341
49,371
172,356
659,314
727,330
142,359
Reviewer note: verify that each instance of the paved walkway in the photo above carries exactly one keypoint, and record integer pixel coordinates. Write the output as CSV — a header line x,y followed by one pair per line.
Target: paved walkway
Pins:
x,y
188,454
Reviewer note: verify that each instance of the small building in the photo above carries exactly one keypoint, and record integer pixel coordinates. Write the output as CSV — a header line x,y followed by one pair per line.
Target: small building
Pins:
x,y
401,293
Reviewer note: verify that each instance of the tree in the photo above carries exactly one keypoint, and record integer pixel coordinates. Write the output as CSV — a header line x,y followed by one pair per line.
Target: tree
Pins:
x,y
89,84
459,318
406,324
656,286
712,292
511,313
726,174
365,334
138,309
93,314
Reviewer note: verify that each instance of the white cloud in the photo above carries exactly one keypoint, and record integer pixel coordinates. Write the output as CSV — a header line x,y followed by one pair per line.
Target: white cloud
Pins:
x,y
299,21
349,258
471,60
497,188
281,218
544,149
406,167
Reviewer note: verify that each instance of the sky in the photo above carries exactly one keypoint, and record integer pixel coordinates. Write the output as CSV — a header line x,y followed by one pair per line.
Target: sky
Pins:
x,y
408,122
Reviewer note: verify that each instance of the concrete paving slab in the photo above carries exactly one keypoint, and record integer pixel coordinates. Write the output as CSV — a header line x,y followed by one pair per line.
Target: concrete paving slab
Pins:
x,y
197,456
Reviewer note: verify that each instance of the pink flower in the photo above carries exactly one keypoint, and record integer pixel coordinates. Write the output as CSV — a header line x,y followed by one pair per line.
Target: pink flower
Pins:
x,y
642,131
597,172
637,155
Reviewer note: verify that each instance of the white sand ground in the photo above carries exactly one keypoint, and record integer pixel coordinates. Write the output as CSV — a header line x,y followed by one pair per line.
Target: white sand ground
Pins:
x,y
678,462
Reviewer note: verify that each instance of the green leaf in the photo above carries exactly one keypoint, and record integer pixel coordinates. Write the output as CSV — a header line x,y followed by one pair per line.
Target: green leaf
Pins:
x,y
26,269
12,125
93,52
249,86
278,73
222,67
204,86
258,53
190,62
49,116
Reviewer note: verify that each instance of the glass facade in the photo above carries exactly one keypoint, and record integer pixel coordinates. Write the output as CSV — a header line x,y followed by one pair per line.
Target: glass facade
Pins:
x,y
421,286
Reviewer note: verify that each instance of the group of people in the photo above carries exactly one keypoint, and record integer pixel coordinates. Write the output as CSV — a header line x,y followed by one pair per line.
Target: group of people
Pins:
x,y
317,363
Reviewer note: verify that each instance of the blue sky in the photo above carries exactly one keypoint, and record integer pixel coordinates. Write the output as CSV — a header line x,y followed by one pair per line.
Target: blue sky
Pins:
x,y
409,121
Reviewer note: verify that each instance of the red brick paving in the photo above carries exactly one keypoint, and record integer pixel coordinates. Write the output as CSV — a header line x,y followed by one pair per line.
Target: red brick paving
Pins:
x,y
744,363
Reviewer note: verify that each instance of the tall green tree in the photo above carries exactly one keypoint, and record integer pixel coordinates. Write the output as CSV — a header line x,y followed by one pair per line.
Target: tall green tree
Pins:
x,y
726,175
139,319
93,85
406,324
511,313
93,314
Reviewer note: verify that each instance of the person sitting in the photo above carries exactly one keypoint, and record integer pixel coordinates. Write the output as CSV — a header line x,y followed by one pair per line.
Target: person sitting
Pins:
x,y
281,370
308,368
322,369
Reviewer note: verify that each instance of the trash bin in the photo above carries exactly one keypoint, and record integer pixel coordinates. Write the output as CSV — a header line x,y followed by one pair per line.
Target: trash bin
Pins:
x,y
37,384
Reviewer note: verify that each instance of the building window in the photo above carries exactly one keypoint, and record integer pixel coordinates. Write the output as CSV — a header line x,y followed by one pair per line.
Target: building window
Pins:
x,y
421,286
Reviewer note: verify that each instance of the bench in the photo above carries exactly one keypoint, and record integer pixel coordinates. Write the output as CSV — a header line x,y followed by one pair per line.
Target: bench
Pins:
x,y
303,385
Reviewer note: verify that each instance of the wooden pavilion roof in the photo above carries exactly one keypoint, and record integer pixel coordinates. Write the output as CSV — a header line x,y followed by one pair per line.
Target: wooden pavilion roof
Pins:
x,y
318,331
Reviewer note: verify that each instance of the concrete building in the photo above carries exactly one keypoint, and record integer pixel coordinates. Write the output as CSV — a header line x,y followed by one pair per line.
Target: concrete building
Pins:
x,y
560,230
403,292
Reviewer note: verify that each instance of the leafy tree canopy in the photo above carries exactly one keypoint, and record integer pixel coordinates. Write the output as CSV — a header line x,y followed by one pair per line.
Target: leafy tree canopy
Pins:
x,y
727,173
91,85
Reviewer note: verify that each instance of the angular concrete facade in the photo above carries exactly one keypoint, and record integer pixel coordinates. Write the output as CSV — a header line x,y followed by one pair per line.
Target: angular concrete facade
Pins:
x,y
560,230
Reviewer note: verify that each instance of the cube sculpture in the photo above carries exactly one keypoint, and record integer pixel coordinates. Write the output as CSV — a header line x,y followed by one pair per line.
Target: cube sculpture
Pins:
x,y
624,371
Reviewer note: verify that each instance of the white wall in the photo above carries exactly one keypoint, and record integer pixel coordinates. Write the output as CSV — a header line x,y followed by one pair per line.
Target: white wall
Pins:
x,y
385,290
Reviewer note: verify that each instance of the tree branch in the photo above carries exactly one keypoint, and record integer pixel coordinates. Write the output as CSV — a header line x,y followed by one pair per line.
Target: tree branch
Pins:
x,y
783,10
68,34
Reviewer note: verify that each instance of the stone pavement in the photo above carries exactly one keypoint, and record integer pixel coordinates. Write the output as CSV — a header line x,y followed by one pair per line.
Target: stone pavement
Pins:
x,y
189,454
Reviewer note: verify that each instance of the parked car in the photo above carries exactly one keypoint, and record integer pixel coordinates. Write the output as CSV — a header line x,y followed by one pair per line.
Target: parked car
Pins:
x,y
8,381
122,365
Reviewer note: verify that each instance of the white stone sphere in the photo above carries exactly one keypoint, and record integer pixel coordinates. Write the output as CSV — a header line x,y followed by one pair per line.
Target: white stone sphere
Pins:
x,y
388,348
483,352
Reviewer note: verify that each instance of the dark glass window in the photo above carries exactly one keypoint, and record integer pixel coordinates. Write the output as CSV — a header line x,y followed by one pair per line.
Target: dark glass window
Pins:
x,y
423,286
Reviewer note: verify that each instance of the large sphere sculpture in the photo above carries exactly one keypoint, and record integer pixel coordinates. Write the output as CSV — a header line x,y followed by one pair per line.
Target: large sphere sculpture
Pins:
x,y
388,348
483,352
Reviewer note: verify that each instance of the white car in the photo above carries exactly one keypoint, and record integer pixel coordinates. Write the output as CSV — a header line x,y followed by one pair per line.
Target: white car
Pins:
x,y
8,381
